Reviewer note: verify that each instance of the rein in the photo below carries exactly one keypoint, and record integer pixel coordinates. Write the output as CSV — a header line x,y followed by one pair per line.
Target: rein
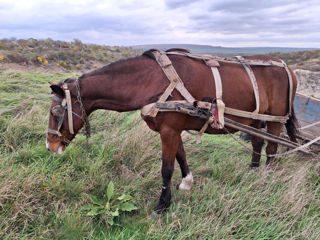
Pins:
x,y
66,106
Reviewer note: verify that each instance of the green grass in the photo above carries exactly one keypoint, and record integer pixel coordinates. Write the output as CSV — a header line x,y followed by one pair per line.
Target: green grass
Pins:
x,y
41,194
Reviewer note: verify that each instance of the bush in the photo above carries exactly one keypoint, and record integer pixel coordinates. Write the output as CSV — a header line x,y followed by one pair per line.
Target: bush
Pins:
x,y
16,58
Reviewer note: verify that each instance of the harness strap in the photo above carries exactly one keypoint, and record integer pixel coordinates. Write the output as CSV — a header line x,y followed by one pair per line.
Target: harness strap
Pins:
x,y
175,81
257,116
220,104
55,132
228,60
68,97
253,82
203,129
171,106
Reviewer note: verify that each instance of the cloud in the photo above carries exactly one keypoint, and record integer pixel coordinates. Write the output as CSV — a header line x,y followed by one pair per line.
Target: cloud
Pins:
x,y
219,22
173,4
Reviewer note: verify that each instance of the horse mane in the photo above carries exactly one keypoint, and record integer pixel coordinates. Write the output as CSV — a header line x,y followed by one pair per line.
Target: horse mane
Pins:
x,y
68,80
178,50
149,53
103,69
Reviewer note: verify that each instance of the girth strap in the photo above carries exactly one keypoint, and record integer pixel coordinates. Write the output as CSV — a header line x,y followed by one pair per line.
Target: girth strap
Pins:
x,y
220,104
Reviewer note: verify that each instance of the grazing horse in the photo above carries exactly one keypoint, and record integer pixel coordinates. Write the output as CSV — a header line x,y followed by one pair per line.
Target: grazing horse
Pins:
x,y
132,83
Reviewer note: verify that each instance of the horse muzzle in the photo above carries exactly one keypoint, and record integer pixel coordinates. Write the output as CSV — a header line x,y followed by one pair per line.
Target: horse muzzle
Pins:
x,y
55,147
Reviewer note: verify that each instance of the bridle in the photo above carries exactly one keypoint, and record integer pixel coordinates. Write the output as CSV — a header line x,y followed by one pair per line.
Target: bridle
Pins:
x,y
59,111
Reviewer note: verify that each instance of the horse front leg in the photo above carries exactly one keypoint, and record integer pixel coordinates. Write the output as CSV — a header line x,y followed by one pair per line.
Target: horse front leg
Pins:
x,y
170,143
187,178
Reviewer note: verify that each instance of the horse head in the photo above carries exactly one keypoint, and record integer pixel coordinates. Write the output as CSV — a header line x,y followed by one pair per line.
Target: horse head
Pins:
x,y
67,115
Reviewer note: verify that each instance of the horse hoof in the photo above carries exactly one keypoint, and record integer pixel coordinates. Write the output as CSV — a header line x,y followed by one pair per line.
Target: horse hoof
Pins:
x,y
254,166
155,215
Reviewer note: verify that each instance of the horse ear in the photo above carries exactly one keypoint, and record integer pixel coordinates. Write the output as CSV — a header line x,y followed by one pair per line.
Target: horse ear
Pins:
x,y
57,89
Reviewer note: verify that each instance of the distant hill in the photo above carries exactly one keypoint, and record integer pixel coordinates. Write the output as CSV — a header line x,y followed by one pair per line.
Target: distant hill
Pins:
x,y
220,50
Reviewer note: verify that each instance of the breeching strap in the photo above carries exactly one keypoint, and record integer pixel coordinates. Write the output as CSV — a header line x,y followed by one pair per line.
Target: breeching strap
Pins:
x,y
290,86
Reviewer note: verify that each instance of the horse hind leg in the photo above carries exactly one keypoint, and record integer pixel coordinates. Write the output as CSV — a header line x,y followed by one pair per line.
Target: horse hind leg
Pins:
x,y
257,144
274,128
187,178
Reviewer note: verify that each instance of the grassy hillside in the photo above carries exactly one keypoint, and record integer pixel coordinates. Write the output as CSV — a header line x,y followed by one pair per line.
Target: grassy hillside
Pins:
x,y
51,54
308,60
42,195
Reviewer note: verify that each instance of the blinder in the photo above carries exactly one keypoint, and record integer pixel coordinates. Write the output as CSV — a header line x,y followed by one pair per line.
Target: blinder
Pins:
x,y
59,111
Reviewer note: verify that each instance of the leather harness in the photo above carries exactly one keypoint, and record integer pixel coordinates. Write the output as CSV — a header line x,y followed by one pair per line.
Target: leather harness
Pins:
x,y
213,62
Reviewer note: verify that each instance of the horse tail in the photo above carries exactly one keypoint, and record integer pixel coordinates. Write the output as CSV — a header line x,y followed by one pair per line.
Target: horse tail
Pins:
x,y
292,126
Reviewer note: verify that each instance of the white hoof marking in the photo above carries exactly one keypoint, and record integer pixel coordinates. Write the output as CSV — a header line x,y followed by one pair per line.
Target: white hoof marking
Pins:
x,y
186,182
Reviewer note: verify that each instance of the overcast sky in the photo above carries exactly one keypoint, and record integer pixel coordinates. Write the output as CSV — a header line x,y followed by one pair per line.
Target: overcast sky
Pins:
x,y
286,23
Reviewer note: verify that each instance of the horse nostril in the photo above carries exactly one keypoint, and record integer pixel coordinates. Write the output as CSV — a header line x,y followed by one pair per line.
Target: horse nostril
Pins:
x,y
48,149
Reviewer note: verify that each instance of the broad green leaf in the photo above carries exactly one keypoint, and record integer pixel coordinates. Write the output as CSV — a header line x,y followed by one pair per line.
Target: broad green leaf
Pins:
x,y
124,197
94,210
110,221
86,207
115,213
95,200
92,213
128,207
110,190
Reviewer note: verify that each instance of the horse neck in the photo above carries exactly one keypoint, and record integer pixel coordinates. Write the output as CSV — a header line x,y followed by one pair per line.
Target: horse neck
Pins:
x,y
122,86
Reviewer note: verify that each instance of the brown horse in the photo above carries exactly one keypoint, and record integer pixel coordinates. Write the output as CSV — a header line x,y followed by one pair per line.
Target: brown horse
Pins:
x,y
130,84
